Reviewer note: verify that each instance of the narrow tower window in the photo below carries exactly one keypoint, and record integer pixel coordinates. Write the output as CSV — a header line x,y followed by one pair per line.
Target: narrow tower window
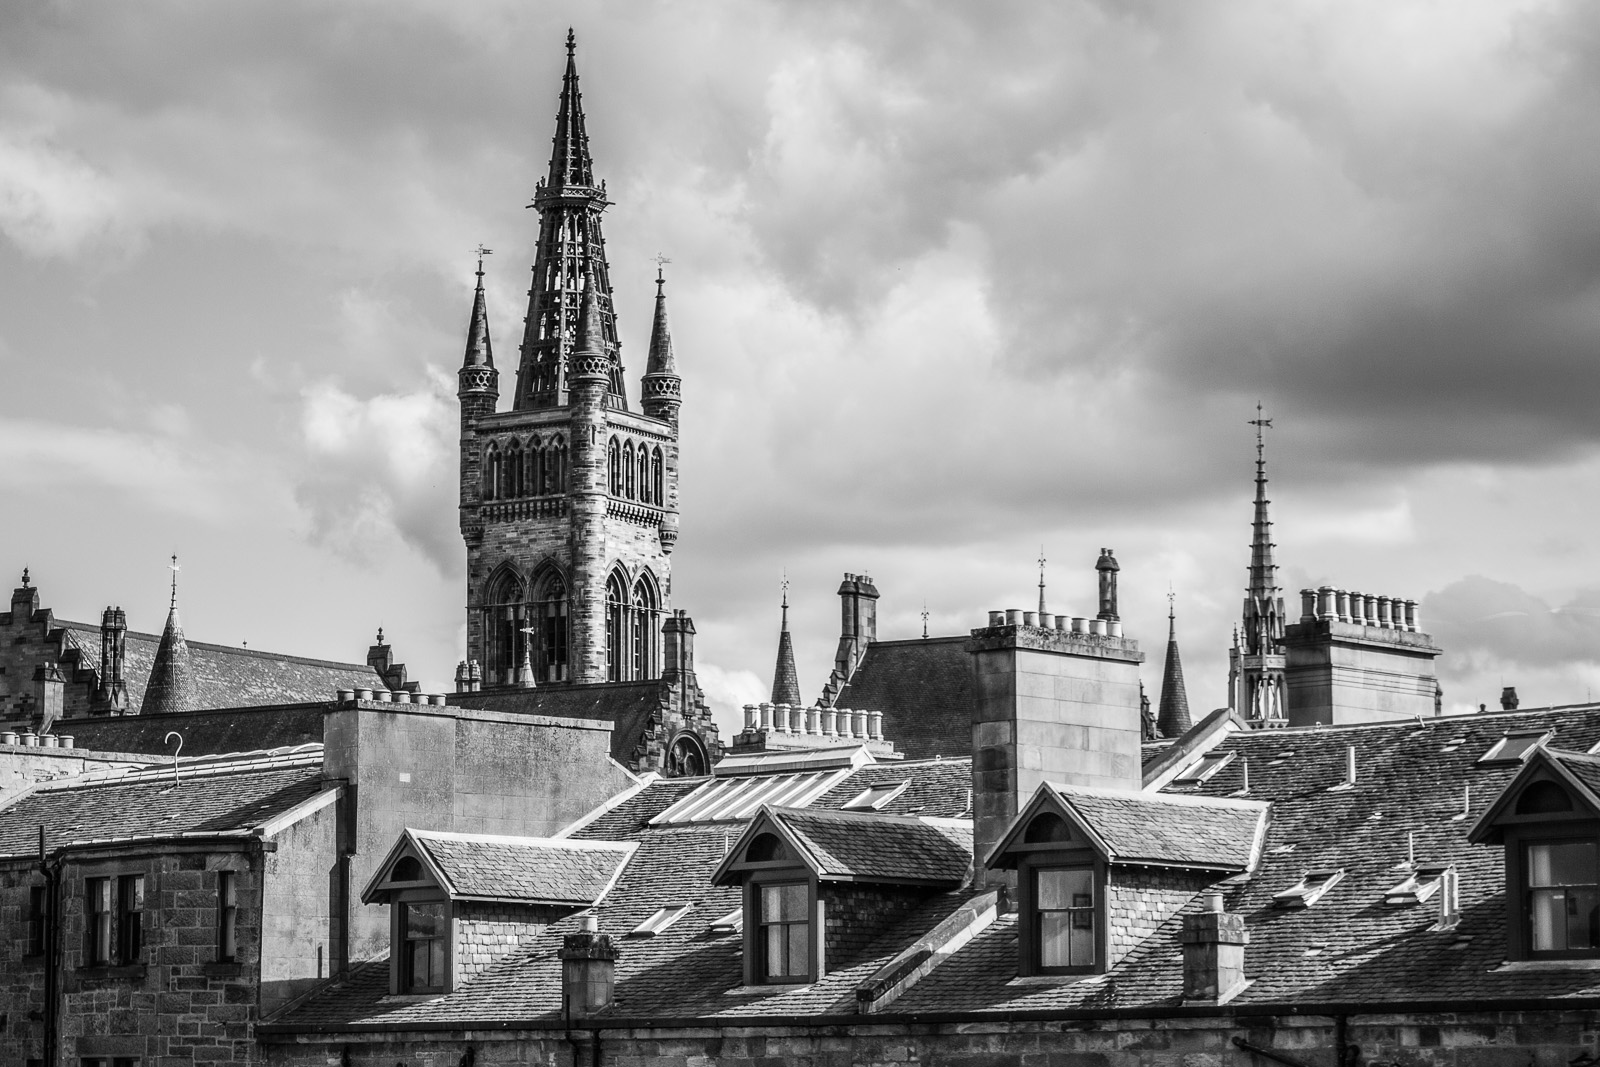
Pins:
x,y
644,475
614,454
629,487
551,611
616,627
644,630
504,618
657,496
491,472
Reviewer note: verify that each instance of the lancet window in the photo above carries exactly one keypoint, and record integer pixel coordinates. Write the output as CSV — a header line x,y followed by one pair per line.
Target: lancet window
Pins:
x,y
643,464
504,618
657,497
550,611
629,486
614,456
633,620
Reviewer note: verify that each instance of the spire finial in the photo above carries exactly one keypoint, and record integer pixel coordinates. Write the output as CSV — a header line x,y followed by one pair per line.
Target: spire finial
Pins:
x,y
24,577
380,635
1041,582
572,42
174,568
482,251
786,599
924,618
661,261
1260,424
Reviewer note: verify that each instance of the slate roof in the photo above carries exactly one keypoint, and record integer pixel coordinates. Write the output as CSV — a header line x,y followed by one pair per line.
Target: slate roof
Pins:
x,y
1157,828
924,689
628,706
220,798
933,787
522,869
222,676
869,847
204,732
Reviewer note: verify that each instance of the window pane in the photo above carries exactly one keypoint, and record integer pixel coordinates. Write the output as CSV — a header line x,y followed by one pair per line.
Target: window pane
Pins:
x,y
1054,934
1058,887
1582,918
1081,943
424,920
776,944
1567,863
799,953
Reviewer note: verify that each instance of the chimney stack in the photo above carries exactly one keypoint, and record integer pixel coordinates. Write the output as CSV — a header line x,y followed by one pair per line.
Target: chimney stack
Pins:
x,y
1108,567
1508,698
1213,954
50,695
858,622
588,970
112,696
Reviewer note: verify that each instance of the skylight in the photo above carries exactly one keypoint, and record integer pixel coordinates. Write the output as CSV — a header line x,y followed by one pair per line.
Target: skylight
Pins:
x,y
731,923
875,797
1418,887
736,799
1308,890
662,919
1202,769
1515,746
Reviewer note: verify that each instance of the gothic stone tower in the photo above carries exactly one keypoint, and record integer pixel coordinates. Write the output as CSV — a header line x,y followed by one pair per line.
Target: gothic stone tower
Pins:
x,y
569,501
1256,661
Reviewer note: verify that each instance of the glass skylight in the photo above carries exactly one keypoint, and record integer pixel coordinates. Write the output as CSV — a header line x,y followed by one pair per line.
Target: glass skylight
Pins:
x,y
1515,746
875,797
736,799
662,919
1202,769
1309,889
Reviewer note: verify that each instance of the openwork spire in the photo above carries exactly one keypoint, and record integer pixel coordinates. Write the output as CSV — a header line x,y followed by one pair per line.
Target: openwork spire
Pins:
x,y
571,249
1173,718
1263,615
171,684
785,679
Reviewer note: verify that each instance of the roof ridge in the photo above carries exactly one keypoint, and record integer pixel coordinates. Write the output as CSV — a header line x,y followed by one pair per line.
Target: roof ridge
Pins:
x,y
577,844
1178,799
254,653
156,771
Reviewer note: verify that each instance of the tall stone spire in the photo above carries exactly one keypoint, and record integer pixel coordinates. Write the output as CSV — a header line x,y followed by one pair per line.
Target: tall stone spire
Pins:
x,y
785,680
1256,667
171,685
479,352
571,249
661,392
1173,718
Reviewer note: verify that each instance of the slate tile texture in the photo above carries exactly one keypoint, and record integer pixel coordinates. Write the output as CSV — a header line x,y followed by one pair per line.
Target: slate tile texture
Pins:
x,y
523,870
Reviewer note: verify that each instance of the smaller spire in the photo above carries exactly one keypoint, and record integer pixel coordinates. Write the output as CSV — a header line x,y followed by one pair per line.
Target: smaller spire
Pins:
x,y
661,360
591,339
24,577
479,352
1173,719
171,684
785,679
1041,585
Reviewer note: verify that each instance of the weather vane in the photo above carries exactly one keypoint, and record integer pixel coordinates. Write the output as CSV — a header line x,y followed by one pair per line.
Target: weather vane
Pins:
x,y
661,261
1260,424
174,568
482,251
1041,579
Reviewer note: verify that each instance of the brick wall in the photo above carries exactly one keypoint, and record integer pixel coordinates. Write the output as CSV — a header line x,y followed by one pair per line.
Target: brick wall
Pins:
x,y
21,975
485,932
858,914
1138,900
1476,1039
182,1005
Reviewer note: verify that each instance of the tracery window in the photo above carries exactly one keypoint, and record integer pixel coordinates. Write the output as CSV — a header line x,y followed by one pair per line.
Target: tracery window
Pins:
x,y
512,470
550,614
643,630
644,475
629,487
616,612
491,471
657,497
555,476
504,617
614,457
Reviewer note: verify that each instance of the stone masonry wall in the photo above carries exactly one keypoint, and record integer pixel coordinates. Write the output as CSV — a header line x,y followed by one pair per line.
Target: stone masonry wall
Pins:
x,y
485,932
21,974
1478,1039
858,914
180,1005
24,766
30,638
1139,900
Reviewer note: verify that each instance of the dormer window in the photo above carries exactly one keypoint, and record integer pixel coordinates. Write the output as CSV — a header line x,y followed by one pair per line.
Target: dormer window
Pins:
x,y
1548,819
784,913
1515,746
1308,890
425,936
1064,917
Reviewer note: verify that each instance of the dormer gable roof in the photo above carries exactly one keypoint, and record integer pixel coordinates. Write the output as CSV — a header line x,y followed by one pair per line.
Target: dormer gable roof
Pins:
x,y
512,870
850,846
1577,773
1147,829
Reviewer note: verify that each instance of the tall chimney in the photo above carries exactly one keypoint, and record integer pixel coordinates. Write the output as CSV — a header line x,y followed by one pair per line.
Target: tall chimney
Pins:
x,y
588,970
1213,954
858,623
112,696
50,695
1108,567
1508,698
1051,706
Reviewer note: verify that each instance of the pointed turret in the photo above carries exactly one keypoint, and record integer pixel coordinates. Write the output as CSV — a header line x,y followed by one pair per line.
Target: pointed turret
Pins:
x,y
478,383
1256,664
171,685
785,680
661,391
571,247
1173,718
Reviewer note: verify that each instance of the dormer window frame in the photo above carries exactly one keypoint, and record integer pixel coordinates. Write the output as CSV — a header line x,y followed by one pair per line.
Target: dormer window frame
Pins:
x,y
1543,826
785,869
1030,915
404,896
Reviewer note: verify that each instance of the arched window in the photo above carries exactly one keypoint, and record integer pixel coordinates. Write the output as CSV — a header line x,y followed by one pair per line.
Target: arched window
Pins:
x,y
657,496
629,487
1046,827
505,613
1543,798
491,471
614,455
532,471
556,466
550,625
642,630
687,759
513,469
766,848
644,475
616,626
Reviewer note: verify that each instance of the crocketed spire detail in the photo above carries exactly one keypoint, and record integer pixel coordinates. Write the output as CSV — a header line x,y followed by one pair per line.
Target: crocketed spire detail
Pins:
x,y
571,248
785,679
1173,718
479,352
1263,614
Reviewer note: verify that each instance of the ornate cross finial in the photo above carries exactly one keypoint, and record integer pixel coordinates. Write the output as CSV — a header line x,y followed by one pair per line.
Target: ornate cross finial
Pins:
x,y
1172,602
24,577
786,587
174,568
1260,424
380,635
924,619
572,42
661,261
482,251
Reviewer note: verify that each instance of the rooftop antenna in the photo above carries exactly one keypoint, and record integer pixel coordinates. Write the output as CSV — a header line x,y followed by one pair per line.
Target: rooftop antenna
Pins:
x,y
1041,580
168,740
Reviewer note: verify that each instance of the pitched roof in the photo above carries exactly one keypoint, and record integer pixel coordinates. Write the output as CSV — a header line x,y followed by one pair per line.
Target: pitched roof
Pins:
x,y
204,732
222,676
628,706
868,847
1155,828
924,689
933,787
225,798
528,870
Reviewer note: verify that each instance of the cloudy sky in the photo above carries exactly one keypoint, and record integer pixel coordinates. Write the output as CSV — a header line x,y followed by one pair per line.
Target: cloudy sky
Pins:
x,y
949,282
